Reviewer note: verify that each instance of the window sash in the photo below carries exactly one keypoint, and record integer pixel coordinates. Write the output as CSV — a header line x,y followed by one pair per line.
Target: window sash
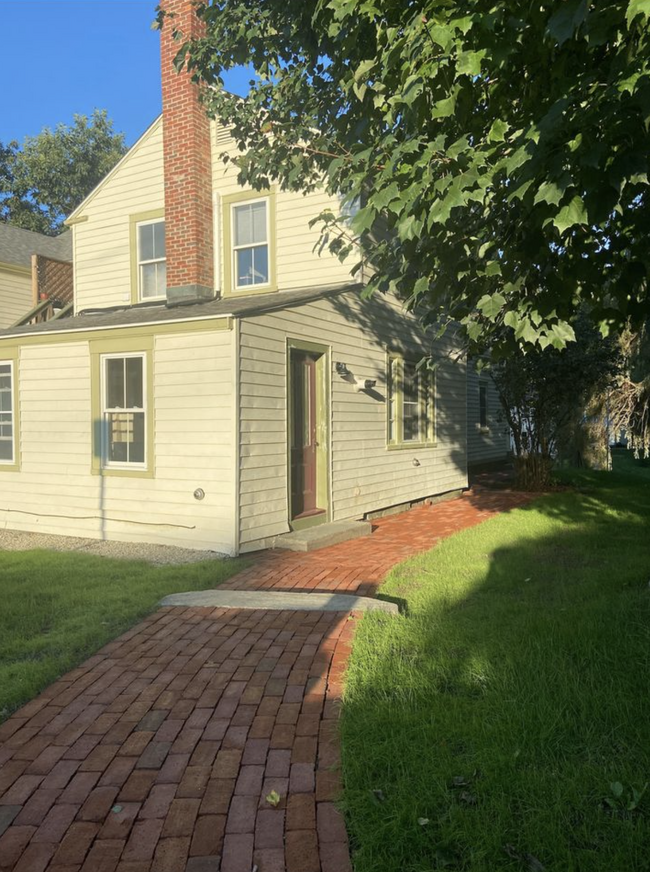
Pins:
x,y
7,413
159,262
255,247
411,404
124,424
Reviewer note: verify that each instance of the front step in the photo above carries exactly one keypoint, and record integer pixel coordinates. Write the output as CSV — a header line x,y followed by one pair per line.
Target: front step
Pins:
x,y
323,535
279,601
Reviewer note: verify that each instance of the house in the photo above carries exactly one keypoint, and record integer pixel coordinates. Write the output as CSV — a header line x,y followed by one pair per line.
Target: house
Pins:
x,y
33,268
221,382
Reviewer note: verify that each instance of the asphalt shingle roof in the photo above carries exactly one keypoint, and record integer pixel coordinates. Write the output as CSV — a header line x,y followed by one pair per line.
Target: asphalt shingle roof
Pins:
x,y
238,307
18,245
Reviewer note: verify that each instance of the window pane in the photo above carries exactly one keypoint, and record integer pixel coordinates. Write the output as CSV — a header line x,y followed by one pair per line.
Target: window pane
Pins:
x,y
125,437
152,280
260,265
158,239
134,383
482,402
392,372
243,225
146,241
115,383
259,221
6,448
250,223
161,279
411,422
244,260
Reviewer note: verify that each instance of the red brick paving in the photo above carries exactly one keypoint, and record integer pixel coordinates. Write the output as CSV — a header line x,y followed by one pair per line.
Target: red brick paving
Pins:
x,y
158,753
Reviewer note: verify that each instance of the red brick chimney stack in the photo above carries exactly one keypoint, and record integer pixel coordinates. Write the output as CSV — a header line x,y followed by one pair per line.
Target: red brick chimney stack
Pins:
x,y
188,167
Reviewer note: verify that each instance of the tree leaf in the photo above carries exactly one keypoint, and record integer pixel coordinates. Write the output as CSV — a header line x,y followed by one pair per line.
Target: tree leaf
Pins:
x,y
549,192
637,7
469,62
497,131
567,19
570,215
491,305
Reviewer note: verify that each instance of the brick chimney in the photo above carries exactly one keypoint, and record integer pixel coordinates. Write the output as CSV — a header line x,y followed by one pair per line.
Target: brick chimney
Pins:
x,y
188,167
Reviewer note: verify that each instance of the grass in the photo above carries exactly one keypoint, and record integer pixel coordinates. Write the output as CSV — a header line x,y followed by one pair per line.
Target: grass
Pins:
x,y
503,722
59,608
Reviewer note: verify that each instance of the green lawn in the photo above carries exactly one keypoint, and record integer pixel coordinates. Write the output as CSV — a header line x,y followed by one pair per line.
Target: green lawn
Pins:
x,y
58,608
503,723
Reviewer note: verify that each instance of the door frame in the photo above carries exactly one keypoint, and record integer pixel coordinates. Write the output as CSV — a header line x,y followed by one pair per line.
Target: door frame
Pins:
x,y
324,430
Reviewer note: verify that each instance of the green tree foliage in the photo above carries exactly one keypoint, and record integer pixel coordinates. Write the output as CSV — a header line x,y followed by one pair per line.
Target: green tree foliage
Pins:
x,y
498,150
45,179
545,394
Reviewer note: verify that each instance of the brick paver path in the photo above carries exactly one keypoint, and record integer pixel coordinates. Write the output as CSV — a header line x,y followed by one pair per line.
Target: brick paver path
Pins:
x,y
158,753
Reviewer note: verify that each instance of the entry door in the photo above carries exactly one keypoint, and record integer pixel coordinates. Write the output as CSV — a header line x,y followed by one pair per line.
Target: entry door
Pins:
x,y
304,449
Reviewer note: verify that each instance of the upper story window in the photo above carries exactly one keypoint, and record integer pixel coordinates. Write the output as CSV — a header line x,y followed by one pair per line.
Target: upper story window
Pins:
x,y
124,410
152,268
411,403
250,244
7,414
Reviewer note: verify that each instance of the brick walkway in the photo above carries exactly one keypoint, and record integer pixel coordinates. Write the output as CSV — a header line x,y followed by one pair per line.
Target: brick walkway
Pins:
x,y
158,753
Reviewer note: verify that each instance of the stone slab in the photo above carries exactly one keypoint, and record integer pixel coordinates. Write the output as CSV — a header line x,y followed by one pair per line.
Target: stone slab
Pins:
x,y
323,535
279,601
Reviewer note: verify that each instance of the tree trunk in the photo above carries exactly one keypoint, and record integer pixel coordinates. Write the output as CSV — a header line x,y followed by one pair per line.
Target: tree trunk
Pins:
x,y
533,472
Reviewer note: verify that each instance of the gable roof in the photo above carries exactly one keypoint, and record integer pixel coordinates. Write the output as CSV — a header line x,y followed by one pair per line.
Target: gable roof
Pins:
x,y
18,245
159,313
74,216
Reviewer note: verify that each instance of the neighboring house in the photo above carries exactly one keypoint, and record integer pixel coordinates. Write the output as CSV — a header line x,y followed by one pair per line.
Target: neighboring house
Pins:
x,y
221,382
33,265
488,436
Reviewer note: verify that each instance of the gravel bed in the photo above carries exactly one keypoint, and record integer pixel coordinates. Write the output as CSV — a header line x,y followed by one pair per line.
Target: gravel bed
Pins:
x,y
159,555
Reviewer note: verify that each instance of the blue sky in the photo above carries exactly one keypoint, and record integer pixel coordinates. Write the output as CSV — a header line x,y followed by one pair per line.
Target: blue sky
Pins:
x,y
67,57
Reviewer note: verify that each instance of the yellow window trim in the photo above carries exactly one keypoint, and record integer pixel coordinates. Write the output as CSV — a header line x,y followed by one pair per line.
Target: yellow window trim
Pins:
x,y
134,220
11,355
426,405
124,345
227,202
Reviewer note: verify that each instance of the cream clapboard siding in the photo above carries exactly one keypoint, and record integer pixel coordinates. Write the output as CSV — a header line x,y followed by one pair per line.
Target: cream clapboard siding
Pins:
x,y
15,295
299,263
55,492
493,444
365,475
101,241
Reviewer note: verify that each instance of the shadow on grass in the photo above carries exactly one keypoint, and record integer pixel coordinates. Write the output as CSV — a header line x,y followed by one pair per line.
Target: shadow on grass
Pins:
x,y
483,731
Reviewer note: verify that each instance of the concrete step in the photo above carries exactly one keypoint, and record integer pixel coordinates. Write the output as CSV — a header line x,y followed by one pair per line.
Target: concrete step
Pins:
x,y
280,601
323,535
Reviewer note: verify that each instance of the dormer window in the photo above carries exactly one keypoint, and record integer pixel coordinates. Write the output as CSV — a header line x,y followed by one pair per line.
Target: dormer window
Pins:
x,y
152,267
250,223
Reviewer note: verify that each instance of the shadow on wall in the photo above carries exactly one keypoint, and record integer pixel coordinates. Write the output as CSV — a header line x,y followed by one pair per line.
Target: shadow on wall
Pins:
x,y
513,695
390,330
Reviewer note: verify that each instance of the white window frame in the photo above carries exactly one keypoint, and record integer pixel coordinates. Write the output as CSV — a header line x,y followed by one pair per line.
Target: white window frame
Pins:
x,y
141,263
12,389
235,248
105,462
483,387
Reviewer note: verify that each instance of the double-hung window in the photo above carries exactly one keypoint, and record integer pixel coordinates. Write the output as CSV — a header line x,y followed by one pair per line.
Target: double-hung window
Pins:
x,y
411,403
250,244
7,413
124,411
152,266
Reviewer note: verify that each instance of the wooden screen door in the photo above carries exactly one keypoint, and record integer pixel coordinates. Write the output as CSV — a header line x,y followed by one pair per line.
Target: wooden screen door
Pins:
x,y
306,431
